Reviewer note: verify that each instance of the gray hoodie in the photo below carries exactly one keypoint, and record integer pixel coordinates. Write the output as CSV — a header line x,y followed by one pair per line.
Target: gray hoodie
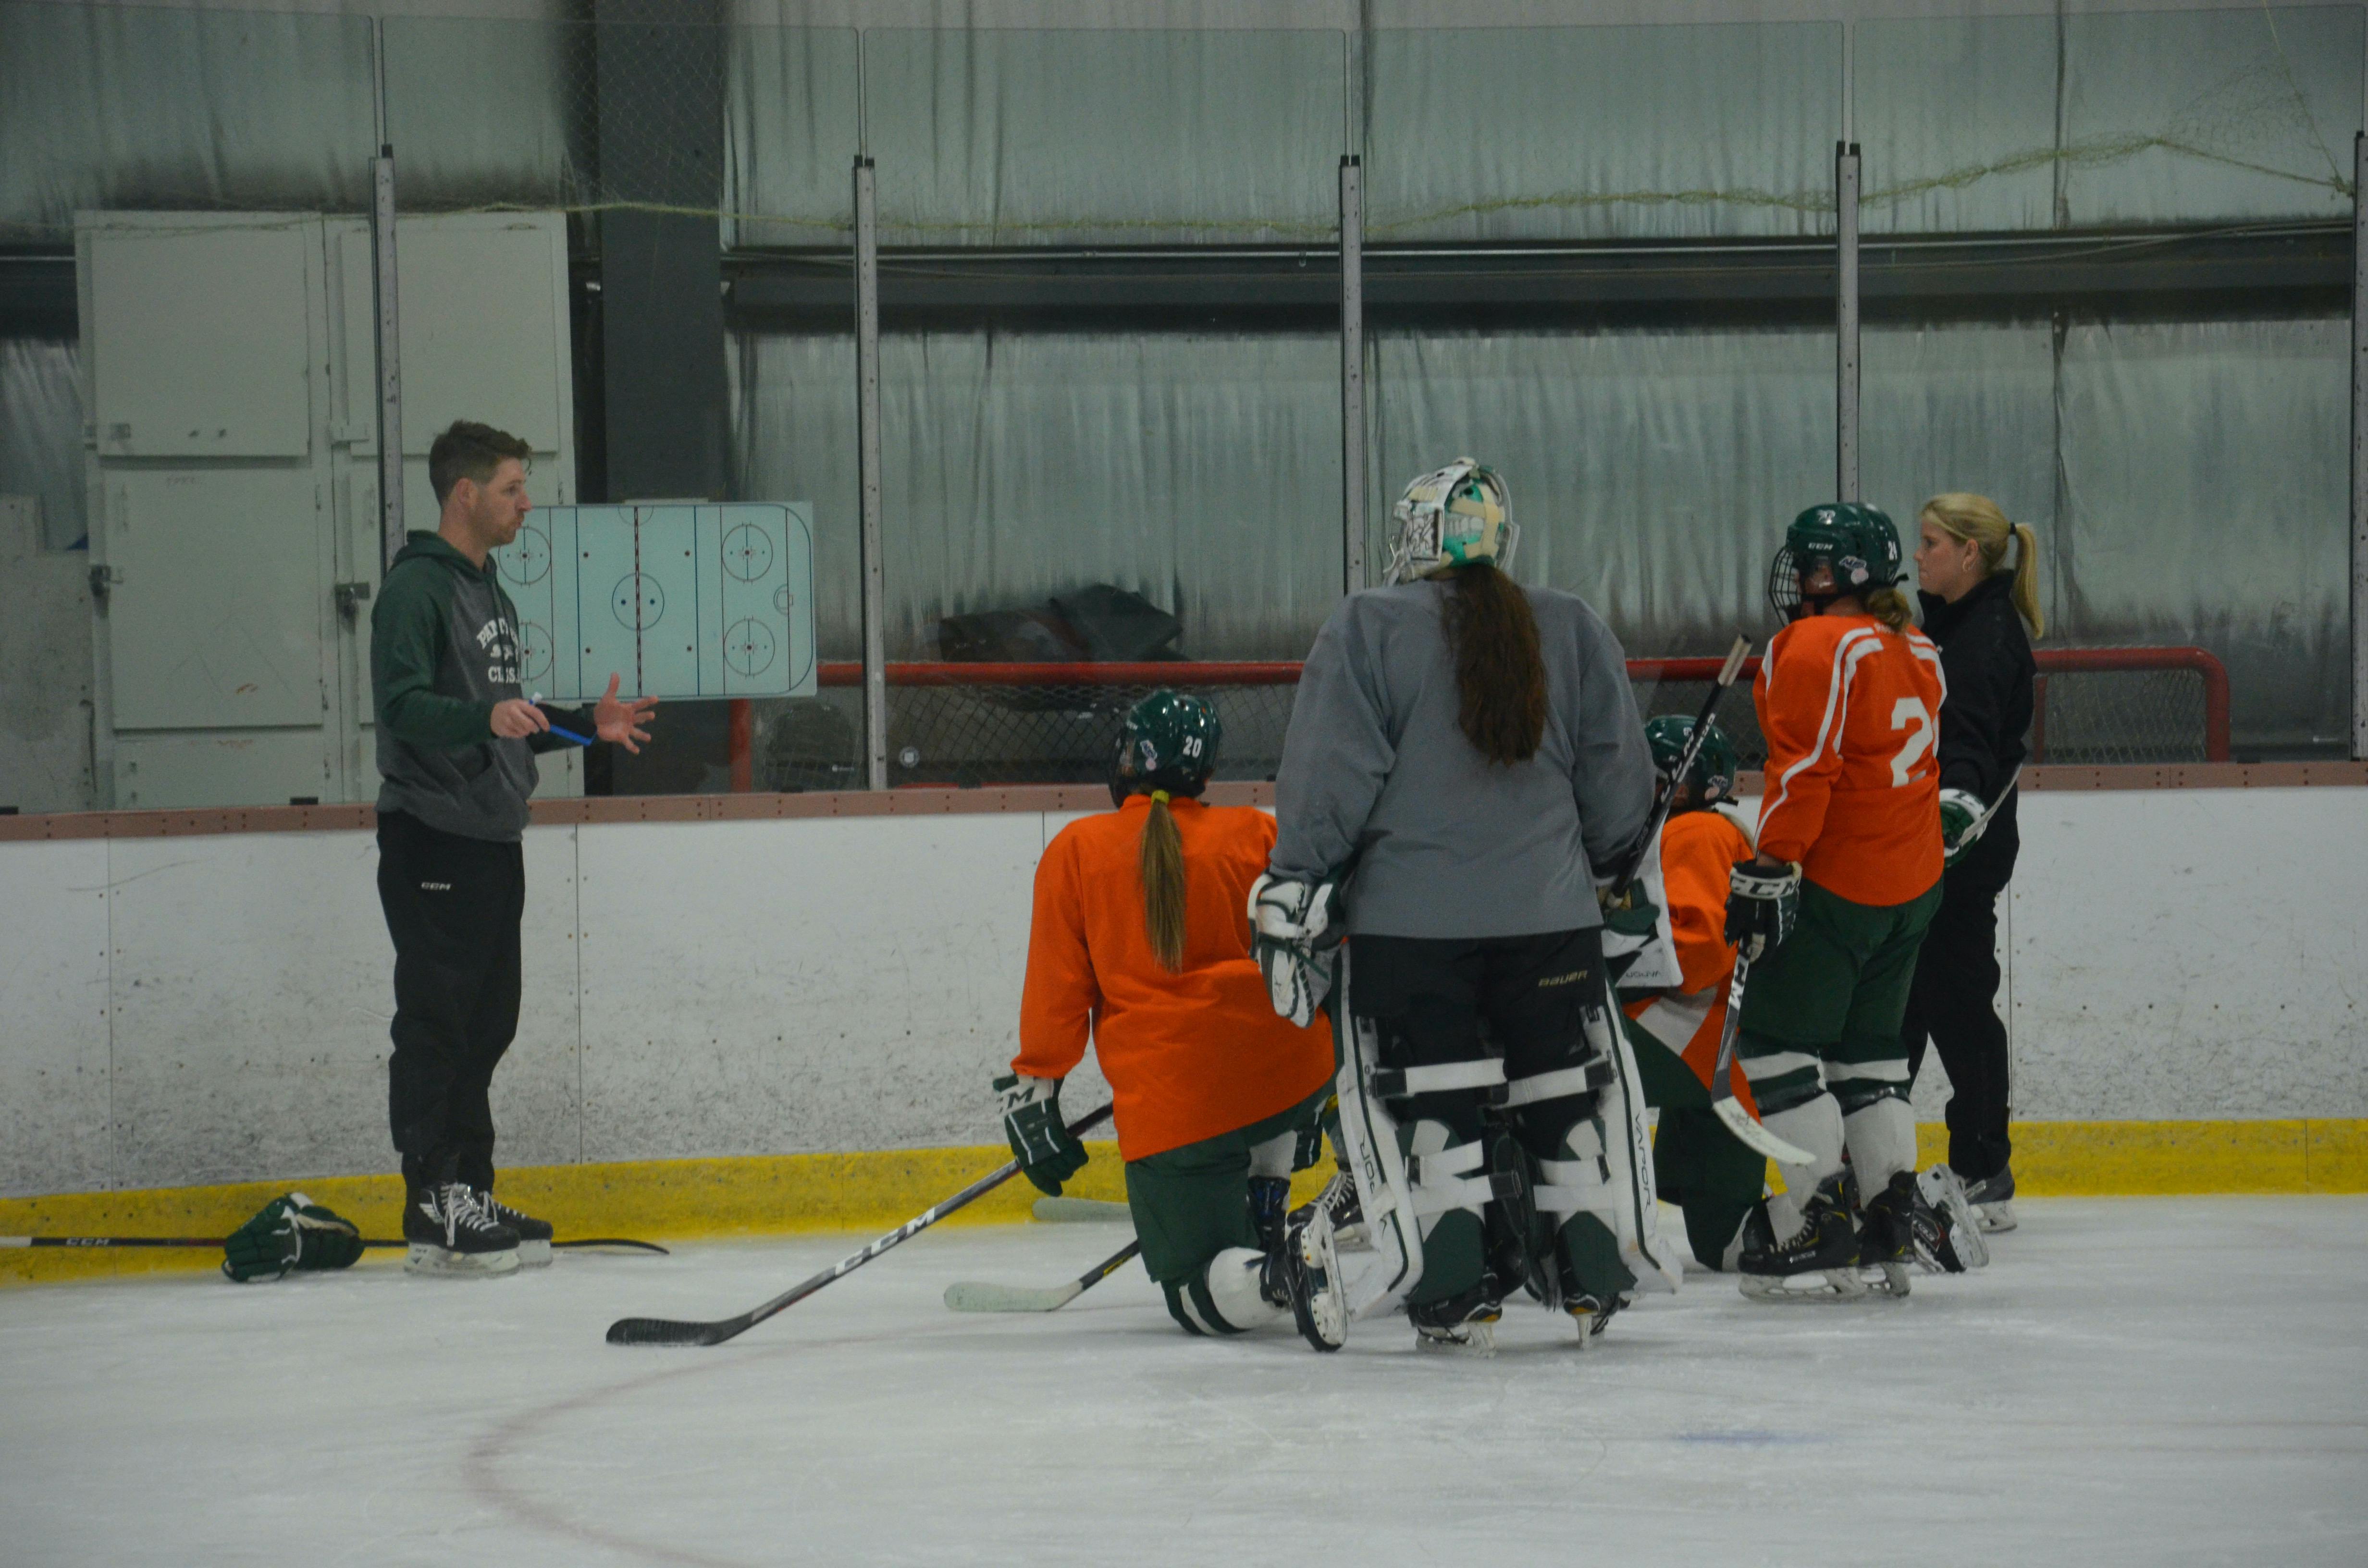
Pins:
x,y
1447,844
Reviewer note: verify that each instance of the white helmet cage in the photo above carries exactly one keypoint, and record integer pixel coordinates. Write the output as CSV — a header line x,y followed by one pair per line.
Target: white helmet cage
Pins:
x,y
1438,522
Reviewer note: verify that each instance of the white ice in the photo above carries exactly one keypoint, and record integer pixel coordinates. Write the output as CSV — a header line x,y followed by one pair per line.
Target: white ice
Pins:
x,y
2149,1382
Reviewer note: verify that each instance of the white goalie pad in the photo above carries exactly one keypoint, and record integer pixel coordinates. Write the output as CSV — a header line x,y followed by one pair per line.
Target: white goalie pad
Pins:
x,y
1607,1169
1402,1190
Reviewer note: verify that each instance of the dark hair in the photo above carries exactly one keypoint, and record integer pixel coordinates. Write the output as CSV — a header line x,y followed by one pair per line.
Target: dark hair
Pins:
x,y
1161,855
472,452
1500,678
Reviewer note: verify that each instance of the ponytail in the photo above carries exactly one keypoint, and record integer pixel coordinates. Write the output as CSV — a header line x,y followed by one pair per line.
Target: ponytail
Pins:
x,y
1978,519
1888,605
1163,884
1501,677
2025,591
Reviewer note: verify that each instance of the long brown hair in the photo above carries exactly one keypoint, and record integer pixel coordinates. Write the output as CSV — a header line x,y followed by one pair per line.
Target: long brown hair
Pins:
x,y
1162,852
1500,678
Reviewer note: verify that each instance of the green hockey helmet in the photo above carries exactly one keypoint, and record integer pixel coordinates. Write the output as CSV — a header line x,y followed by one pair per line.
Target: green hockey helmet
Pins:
x,y
1452,516
1713,774
1857,540
1168,742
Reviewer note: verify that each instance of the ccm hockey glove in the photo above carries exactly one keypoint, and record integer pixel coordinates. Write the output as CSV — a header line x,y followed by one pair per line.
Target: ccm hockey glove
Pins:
x,y
1048,1154
1292,933
1761,907
1959,811
292,1233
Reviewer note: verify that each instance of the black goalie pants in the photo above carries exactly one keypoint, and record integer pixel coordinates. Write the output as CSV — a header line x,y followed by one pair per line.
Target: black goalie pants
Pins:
x,y
452,906
1439,1001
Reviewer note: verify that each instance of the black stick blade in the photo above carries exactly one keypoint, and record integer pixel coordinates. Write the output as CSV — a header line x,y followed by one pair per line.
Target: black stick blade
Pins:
x,y
665,1331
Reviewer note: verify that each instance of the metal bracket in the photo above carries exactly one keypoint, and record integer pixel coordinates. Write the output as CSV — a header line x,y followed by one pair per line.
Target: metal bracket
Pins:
x,y
102,582
349,598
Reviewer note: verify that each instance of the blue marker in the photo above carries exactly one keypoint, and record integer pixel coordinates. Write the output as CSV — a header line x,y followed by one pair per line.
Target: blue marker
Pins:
x,y
569,735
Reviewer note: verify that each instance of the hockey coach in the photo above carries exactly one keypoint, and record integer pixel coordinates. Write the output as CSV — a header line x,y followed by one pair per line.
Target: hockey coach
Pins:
x,y
457,740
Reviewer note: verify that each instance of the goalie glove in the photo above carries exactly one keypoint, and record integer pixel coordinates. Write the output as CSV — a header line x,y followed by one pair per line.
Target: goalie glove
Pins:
x,y
290,1233
1048,1153
1292,933
1959,810
1761,907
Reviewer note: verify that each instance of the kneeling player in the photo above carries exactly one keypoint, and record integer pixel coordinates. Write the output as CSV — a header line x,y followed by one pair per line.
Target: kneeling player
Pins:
x,y
1698,1165
1850,850
1141,941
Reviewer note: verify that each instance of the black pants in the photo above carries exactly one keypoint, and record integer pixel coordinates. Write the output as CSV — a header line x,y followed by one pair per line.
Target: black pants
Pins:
x,y
1953,1000
452,906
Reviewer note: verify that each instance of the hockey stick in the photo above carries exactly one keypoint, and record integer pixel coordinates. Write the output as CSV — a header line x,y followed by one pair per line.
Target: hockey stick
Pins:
x,y
669,1331
1723,1102
1981,823
1694,738
220,1241
1081,1210
969,1296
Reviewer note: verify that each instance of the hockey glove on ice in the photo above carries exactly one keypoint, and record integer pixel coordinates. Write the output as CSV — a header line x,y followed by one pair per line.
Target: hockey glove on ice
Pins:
x,y
1292,934
1629,912
1959,811
1047,1153
290,1233
1761,907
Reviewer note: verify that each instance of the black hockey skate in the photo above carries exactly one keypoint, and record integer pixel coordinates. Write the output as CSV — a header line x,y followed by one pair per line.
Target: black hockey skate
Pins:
x,y
1339,1200
1466,1321
1902,1228
1946,1192
452,1236
1818,1263
534,1235
1303,1274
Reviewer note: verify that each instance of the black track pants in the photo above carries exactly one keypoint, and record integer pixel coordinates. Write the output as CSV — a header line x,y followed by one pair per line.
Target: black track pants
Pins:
x,y
1953,999
452,906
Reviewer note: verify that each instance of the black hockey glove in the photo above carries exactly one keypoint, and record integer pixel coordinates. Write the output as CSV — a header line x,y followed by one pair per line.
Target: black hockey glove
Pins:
x,y
1762,906
290,1233
1048,1154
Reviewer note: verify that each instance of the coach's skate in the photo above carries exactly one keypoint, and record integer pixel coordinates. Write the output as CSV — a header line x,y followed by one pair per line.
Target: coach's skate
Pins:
x,y
451,1236
1946,1192
534,1235
1818,1263
1993,1201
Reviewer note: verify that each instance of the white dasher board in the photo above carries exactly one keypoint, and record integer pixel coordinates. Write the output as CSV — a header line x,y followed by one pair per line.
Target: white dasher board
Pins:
x,y
678,599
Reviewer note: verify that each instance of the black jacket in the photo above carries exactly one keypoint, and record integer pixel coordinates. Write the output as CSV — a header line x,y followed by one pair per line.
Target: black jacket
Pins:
x,y
1987,657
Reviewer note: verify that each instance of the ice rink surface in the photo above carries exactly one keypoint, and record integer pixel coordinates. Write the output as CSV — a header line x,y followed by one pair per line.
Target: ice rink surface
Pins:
x,y
2134,1381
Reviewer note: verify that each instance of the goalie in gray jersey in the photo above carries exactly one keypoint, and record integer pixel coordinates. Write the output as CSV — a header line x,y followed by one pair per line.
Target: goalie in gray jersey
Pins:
x,y
1465,759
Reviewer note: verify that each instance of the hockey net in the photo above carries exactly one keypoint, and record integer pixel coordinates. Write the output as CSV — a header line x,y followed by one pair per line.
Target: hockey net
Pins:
x,y
969,724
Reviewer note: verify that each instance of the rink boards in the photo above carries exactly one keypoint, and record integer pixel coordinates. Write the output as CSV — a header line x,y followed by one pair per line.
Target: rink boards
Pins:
x,y
207,1009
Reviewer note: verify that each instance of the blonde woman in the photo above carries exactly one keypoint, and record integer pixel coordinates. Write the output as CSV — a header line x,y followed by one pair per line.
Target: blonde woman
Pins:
x,y
1977,576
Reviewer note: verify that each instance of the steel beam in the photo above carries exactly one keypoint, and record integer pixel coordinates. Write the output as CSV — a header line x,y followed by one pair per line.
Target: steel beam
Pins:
x,y
867,419
1846,322
387,329
1352,372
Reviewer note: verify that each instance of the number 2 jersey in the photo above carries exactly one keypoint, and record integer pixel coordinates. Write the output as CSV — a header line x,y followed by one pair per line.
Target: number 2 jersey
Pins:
x,y
1850,709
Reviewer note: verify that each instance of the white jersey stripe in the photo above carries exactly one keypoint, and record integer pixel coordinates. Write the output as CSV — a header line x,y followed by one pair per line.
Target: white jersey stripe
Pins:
x,y
1833,703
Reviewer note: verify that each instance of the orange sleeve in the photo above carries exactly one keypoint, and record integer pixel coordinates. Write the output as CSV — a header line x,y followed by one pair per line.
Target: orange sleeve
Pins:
x,y
1060,996
1799,696
1696,856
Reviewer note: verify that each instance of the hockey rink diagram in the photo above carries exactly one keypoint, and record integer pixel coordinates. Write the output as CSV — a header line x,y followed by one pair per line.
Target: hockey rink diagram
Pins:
x,y
2148,1381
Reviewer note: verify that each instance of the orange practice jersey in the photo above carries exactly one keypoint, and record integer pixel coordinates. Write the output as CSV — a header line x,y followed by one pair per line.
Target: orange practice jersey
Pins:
x,y
1188,1055
1850,711
1698,850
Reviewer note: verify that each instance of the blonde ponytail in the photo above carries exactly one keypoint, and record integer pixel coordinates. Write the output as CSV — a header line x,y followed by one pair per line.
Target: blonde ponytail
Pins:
x,y
1978,517
1888,605
1163,883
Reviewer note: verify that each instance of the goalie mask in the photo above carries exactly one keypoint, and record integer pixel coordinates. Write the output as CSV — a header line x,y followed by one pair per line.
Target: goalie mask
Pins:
x,y
1168,742
1460,515
1857,542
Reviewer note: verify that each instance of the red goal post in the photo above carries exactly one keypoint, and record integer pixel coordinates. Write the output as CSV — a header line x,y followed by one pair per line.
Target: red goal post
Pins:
x,y
1006,723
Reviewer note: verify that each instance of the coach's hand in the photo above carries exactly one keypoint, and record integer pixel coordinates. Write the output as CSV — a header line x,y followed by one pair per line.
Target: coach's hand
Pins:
x,y
516,720
1048,1153
623,722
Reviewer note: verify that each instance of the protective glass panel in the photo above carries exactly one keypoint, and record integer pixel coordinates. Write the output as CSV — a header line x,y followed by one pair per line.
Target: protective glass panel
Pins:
x,y
1117,136
40,433
1560,133
125,107
1956,118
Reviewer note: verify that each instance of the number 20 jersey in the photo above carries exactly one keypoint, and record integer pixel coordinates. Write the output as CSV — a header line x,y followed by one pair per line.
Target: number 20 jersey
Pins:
x,y
1851,711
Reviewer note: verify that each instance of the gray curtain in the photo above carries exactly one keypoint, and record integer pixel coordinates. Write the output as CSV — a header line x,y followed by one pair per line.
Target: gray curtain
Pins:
x,y
488,109
40,433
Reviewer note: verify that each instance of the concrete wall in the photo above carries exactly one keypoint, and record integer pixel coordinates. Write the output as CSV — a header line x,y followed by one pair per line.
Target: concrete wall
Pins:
x,y
183,1010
